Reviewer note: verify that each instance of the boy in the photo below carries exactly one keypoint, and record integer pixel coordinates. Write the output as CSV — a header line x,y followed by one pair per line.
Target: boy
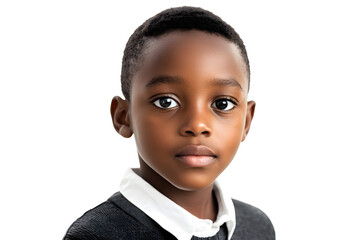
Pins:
x,y
185,79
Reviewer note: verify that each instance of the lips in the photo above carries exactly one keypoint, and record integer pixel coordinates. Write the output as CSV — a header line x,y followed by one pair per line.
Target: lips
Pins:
x,y
196,156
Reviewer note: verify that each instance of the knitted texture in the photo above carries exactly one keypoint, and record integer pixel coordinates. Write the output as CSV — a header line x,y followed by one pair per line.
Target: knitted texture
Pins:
x,y
117,218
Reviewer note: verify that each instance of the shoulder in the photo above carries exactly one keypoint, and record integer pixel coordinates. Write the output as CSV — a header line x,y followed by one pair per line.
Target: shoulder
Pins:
x,y
252,223
104,216
115,218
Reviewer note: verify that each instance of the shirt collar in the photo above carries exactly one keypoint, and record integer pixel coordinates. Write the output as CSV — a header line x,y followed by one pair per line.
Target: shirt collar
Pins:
x,y
170,216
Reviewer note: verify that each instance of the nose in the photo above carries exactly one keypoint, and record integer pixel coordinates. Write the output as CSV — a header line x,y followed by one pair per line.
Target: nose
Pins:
x,y
196,122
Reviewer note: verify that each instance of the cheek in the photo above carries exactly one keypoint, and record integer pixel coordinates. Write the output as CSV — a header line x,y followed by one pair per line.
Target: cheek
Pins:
x,y
228,136
152,136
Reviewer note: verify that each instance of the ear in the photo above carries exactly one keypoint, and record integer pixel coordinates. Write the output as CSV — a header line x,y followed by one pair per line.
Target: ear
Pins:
x,y
250,110
120,116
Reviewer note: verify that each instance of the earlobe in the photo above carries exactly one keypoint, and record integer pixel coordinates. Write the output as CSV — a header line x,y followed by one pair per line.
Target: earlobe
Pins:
x,y
119,110
250,110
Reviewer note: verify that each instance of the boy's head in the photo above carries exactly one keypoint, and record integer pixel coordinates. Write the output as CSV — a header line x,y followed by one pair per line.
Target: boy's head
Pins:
x,y
185,78
182,18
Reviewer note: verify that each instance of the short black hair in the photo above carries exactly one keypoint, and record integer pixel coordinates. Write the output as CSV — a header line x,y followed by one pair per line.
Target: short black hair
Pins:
x,y
180,18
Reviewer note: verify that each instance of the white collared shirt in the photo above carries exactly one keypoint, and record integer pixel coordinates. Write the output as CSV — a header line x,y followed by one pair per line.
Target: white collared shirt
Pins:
x,y
170,216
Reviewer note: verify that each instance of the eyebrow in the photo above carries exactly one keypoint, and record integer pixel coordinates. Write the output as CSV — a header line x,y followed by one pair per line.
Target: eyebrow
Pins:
x,y
226,82
163,80
176,80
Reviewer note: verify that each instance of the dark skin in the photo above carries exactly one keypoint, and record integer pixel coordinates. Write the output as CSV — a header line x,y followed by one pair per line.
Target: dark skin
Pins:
x,y
189,112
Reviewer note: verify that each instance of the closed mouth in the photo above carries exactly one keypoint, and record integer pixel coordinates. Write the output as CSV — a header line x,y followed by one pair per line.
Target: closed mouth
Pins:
x,y
196,156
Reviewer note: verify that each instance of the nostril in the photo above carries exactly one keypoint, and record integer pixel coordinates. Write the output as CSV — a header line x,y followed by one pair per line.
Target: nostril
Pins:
x,y
189,132
194,134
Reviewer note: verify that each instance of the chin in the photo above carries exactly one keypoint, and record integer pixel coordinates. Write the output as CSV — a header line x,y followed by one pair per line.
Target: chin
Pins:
x,y
192,182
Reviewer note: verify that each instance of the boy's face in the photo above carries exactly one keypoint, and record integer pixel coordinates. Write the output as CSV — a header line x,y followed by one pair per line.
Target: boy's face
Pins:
x,y
188,108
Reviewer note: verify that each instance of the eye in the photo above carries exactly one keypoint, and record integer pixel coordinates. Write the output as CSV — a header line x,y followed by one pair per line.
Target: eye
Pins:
x,y
223,104
165,103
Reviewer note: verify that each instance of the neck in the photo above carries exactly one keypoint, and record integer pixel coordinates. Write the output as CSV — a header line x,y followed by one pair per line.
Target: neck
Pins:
x,y
201,203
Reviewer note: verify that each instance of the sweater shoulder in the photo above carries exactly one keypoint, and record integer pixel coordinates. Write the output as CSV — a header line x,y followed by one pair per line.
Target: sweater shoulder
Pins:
x,y
252,223
115,218
96,222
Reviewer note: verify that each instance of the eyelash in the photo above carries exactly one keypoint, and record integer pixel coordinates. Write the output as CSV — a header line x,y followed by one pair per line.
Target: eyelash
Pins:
x,y
156,101
228,99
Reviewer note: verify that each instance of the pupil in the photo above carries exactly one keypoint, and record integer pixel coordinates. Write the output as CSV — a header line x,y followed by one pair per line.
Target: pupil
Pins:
x,y
165,102
221,104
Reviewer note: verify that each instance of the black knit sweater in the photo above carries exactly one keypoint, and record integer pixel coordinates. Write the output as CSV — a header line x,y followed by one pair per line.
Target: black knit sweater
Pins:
x,y
117,218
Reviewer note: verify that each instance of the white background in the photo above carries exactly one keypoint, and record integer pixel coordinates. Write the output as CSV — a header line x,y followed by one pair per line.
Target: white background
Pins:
x,y
60,64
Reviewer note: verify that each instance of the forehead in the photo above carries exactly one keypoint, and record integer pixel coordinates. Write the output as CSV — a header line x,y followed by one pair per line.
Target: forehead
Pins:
x,y
191,54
